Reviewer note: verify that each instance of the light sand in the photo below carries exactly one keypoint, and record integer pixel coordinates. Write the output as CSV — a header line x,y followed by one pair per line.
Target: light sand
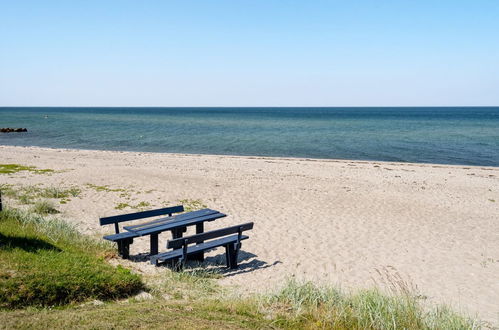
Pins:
x,y
336,222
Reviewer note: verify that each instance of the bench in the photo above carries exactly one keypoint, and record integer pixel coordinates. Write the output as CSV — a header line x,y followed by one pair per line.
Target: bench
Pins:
x,y
124,239
189,246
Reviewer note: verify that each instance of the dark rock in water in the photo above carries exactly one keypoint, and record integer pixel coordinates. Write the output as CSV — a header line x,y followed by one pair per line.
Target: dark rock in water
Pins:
x,y
10,130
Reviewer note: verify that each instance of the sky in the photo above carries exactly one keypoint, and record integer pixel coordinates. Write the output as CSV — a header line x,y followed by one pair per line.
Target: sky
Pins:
x,y
249,53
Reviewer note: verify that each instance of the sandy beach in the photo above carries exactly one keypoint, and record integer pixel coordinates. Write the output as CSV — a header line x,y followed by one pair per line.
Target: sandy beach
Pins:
x,y
347,223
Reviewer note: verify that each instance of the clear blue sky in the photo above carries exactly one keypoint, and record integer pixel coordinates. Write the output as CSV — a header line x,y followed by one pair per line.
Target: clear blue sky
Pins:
x,y
249,53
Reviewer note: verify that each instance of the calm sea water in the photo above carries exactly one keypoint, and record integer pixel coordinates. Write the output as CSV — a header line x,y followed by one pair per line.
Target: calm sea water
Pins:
x,y
468,135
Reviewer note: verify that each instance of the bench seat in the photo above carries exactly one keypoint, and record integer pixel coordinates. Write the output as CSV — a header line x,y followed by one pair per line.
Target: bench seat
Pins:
x,y
177,254
120,236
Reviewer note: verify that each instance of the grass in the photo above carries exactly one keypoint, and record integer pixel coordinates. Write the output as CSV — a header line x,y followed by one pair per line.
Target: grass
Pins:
x,y
141,205
44,207
14,168
8,190
305,305
192,204
104,188
296,306
29,194
123,193
48,263
156,314
190,284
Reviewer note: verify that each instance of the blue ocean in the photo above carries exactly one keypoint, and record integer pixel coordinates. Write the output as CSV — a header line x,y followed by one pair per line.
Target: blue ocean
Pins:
x,y
445,135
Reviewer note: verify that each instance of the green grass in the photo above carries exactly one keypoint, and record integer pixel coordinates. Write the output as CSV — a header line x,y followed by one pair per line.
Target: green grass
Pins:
x,y
47,263
121,206
192,204
29,194
190,284
123,193
44,207
303,305
156,314
14,168
104,188
296,306
141,205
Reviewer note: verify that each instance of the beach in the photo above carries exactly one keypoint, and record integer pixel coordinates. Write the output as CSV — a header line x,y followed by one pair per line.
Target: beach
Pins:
x,y
352,224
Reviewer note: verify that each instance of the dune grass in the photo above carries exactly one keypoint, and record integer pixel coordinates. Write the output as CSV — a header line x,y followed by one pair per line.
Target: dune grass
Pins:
x,y
304,305
47,263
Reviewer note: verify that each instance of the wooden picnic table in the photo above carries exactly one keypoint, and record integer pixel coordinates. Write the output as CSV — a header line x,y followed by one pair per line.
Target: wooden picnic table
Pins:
x,y
176,224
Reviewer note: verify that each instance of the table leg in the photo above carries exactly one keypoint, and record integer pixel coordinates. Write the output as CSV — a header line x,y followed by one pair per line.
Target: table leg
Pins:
x,y
199,229
154,244
177,233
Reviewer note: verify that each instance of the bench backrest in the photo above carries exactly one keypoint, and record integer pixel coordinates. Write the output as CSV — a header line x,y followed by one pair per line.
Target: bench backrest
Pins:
x,y
198,238
139,215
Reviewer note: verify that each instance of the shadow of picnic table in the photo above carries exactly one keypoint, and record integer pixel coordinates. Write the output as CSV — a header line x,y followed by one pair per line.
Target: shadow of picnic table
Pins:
x,y
28,244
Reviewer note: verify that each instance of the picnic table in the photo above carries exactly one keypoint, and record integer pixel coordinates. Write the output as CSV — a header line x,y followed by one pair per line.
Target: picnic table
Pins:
x,y
192,247
177,224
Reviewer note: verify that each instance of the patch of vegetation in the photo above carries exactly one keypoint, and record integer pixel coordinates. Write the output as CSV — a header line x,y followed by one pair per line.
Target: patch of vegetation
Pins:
x,y
53,192
189,284
8,190
46,262
192,204
104,188
44,207
125,195
121,206
153,314
28,194
141,205
304,305
14,168
296,306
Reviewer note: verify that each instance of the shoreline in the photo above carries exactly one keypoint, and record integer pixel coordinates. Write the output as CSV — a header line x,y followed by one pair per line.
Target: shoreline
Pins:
x,y
354,224
282,158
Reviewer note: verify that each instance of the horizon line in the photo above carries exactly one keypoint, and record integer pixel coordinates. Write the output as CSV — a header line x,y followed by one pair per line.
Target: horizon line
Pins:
x,y
260,106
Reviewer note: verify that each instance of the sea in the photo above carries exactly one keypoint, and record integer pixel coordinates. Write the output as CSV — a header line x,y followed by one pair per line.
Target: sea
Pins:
x,y
441,135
